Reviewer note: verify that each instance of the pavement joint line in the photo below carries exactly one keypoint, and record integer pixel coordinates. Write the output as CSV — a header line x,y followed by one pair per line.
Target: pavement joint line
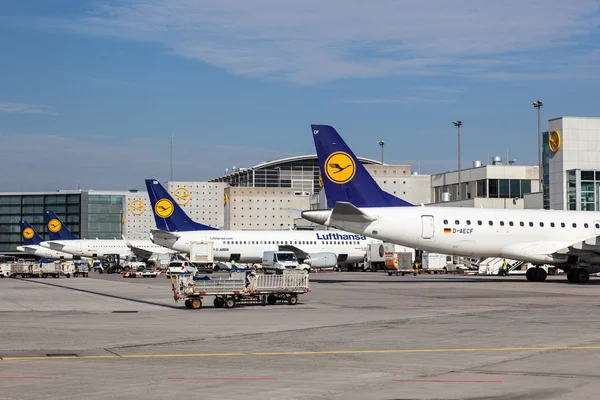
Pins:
x,y
302,353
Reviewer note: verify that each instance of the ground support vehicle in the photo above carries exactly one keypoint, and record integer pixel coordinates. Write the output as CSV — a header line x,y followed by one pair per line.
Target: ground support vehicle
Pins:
x,y
23,269
241,288
141,272
52,269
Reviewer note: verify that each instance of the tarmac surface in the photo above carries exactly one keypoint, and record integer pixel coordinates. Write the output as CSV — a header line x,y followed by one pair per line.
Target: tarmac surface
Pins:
x,y
355,336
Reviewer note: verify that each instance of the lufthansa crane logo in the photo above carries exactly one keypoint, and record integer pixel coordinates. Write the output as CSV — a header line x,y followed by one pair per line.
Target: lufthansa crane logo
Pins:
x,y
137,207
340,167
54,225
554,141
163,208
182,196
28,233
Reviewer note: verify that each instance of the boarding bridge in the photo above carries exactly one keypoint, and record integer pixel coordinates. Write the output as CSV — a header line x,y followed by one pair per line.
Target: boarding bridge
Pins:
x,y
492,265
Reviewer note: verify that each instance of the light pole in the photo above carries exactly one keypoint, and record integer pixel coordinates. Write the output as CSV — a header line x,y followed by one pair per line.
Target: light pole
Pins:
x,y
458,124
538,104
381,143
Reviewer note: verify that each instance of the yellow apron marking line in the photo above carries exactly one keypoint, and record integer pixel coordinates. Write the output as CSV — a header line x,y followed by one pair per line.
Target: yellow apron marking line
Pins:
x,y
301,353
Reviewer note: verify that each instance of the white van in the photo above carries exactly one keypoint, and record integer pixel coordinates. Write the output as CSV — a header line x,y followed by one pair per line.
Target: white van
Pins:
x,y
278,261
181,268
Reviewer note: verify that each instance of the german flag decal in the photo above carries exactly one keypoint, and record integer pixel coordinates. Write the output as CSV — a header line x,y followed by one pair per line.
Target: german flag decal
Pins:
x,y
447,230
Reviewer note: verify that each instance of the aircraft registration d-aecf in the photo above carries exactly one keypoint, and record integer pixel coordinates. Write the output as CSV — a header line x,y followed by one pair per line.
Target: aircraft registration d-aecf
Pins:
x,y
570,240
319,249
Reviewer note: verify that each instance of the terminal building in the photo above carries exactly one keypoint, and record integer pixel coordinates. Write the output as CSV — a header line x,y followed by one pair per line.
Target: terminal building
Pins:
x,y
266,195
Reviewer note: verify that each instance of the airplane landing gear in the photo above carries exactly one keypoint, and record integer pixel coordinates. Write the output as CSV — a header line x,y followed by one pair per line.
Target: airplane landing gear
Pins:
x,y
536,274
578,275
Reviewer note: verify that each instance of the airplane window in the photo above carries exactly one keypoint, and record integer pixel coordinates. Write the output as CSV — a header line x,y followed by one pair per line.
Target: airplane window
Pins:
x,y
552,224
522,223
491,223
531,224
501,223
445,222
574,225
597,225
479,222
585,225
542,224
510,223
562,224
468,222
457,222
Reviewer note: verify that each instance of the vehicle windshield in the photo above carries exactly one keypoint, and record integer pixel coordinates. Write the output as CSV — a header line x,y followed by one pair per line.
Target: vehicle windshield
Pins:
x,y
286,257
175,265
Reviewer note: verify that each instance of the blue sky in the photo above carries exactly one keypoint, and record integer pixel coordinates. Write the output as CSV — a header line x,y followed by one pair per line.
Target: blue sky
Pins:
x,y
91,90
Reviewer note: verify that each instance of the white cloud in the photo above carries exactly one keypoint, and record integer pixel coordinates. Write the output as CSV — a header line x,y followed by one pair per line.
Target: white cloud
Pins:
x,y
313,41
22,108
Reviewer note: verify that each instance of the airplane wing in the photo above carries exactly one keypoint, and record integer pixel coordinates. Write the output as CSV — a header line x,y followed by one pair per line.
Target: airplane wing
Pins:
x,y
54,245
159,233
300,254
136,250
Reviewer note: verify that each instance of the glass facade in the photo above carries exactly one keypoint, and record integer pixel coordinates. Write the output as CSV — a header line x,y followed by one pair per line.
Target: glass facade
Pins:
x,y
546,170
105,213
583,188
488,188
30,208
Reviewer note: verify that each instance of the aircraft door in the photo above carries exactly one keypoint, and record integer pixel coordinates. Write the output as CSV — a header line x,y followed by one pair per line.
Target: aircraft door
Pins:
x,y
427,230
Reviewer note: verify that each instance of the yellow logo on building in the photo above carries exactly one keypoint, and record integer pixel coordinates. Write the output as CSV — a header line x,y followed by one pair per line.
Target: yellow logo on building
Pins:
x,y
54,225
340,167
182,196
225,199
28,233
163,208
137,207
554,141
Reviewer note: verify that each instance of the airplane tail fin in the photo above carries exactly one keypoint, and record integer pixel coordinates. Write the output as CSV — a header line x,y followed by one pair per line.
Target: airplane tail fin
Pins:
x,y
30,236
167,213
344,177
56,229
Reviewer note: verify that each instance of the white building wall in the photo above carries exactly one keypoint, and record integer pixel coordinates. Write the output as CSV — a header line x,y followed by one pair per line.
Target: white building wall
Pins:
x,y
201,201
400,182
138,219
580,144
262,208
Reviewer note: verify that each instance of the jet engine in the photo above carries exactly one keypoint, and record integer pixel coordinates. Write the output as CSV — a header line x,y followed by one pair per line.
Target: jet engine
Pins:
x,y
321,260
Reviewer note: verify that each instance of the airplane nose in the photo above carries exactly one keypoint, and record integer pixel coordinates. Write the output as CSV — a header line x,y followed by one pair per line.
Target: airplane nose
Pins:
x,y
317,216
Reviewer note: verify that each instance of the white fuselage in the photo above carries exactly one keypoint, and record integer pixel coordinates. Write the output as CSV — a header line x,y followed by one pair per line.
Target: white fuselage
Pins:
x,y
101,247
527,235
43,252
250,245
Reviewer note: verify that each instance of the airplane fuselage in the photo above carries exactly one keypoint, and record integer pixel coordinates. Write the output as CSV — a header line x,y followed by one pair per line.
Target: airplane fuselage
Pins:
x,y
528,235
248,246
101,248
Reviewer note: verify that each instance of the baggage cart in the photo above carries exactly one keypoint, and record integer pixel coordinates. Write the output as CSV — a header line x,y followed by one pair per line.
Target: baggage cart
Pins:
x,y
241,287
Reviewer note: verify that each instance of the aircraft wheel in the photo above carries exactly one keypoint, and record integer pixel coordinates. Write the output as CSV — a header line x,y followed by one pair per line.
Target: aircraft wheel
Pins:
x,y
582,275
530,275
541,275
571,275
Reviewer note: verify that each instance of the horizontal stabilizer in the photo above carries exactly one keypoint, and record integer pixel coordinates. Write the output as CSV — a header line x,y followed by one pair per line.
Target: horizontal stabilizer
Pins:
x,y
346,212
159,233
